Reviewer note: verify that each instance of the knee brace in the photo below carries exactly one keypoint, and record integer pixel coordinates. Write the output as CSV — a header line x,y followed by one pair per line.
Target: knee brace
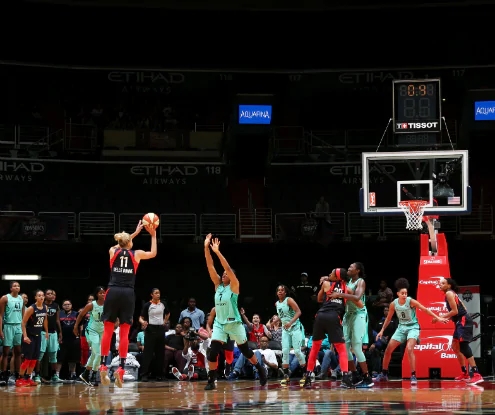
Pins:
x,y
215,349
285,356
52,357
245,350
42,354
466,350
357,348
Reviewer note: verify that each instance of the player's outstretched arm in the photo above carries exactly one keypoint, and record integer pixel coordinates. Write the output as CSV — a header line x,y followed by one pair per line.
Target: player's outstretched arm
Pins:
x,y
153,251
234,282
215,278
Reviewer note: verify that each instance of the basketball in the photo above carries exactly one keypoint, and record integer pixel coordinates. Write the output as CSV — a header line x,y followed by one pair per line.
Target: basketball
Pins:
x,y
151,219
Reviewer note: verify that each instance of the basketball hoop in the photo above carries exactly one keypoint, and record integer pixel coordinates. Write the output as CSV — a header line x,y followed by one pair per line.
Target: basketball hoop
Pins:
x,y
413,209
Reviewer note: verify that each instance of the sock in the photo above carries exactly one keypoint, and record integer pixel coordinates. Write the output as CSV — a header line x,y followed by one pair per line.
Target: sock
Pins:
x,y
57,373
475,369
73,374
54,372
385,372
212,375
124,340
103,360
106,339
313,354
413,373
463,368
26,376
229,356
122,362
342,352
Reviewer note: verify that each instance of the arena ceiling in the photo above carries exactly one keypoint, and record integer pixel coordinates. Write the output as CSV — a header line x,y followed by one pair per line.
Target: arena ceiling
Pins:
x,y
440,33
266,5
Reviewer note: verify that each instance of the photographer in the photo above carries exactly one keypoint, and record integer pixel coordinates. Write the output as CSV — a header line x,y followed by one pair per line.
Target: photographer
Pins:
x,y
194,353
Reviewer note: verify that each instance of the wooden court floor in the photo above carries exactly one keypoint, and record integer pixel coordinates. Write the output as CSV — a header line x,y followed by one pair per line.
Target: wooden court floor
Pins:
x,y
326,397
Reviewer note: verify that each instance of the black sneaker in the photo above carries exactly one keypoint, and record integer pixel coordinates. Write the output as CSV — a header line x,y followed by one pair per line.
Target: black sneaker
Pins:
x,y
263,375
356,378
306,381
346,381
367,382
85,378
210,386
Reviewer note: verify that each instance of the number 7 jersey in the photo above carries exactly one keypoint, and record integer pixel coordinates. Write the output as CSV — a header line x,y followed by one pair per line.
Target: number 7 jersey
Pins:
x,y
226,308
123,268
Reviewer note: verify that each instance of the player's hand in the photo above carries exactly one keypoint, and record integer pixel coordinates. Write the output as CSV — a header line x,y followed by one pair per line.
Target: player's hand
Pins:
x,y
27,340
144,324
76,331
151,230
323,279
139,227
434,320
287,326
242,311
334,295
207,240
59,338
215,245
379,335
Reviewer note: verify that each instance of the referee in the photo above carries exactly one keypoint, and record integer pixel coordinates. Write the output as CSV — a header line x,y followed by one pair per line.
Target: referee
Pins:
x,y
153,317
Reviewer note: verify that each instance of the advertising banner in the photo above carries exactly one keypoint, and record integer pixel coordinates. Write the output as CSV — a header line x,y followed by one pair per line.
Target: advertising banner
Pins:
x,y
33,228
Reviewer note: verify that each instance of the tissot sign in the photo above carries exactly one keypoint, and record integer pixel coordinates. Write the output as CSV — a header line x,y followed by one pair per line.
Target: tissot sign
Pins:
x,y
417,126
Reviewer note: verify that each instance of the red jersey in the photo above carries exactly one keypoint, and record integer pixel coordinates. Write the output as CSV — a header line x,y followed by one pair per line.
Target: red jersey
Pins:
x,y
256,333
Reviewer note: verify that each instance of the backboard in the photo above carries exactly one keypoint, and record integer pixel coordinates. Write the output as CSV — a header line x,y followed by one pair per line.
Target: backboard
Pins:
x,y
440,178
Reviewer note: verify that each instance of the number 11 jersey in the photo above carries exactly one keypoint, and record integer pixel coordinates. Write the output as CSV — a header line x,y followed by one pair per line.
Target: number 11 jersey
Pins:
x,y
123,268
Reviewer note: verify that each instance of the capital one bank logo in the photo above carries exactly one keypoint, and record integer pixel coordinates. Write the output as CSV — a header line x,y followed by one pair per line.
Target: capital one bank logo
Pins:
x,y
440,344
432,281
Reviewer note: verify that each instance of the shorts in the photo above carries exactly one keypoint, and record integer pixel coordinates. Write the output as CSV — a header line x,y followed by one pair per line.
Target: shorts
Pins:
x,y
119,304
70,351
355,328
293,338
328,322
234,330
31,351
405,332
12,334
51,345
463,330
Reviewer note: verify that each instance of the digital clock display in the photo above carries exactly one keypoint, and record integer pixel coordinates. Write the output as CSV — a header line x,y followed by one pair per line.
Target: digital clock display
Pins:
x,y
416,106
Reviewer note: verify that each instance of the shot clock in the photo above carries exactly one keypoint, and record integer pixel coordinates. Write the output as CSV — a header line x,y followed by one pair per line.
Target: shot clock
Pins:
x,y
417,106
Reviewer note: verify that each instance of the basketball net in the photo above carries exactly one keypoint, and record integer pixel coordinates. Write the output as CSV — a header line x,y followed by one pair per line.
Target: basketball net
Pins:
x,y
414,210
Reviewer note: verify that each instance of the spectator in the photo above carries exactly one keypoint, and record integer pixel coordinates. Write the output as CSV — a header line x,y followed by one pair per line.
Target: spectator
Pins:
x,y
196,315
